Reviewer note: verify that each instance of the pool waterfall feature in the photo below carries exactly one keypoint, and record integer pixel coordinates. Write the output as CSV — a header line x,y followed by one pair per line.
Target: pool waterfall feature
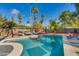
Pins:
x,y
44,45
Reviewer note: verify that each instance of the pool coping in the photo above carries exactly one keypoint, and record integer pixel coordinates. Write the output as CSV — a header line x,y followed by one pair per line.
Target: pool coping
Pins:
x,y
19,38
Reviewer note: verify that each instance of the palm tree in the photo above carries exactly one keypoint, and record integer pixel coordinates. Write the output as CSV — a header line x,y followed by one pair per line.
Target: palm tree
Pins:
x,y
13,20
5,25
35,23
34,10
8,25
11,25
20,18
1,19
42,20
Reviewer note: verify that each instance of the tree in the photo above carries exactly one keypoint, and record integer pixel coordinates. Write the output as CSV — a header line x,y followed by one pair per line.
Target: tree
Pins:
x,y
52,25
11,25
20,18
65,18
1,24
35,23
1,21
34,10
75,22
77,7
5,25
13,19
8,25
59,26
42,20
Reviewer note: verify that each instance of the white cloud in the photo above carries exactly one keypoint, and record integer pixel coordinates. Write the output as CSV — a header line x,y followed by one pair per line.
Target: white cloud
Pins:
x,y
15,11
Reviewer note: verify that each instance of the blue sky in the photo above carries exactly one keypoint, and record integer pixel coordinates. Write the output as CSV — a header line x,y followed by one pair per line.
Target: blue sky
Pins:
x,y
52,10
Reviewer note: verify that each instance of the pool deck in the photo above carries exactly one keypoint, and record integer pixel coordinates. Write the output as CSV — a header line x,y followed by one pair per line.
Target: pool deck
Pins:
x,y
71,47
70,50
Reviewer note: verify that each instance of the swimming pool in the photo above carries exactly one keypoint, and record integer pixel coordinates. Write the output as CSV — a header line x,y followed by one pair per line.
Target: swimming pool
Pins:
x,y
45,45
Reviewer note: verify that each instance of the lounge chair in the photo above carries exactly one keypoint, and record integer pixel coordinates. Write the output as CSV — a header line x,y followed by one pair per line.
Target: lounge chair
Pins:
x,y
20,33
27,33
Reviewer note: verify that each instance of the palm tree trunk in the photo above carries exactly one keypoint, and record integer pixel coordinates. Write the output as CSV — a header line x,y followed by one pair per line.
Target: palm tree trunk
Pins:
x,y
2,30
7,32
64,27
12,32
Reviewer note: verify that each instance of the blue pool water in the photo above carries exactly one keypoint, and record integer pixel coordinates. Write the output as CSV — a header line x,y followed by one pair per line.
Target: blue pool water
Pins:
x,y
45,45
